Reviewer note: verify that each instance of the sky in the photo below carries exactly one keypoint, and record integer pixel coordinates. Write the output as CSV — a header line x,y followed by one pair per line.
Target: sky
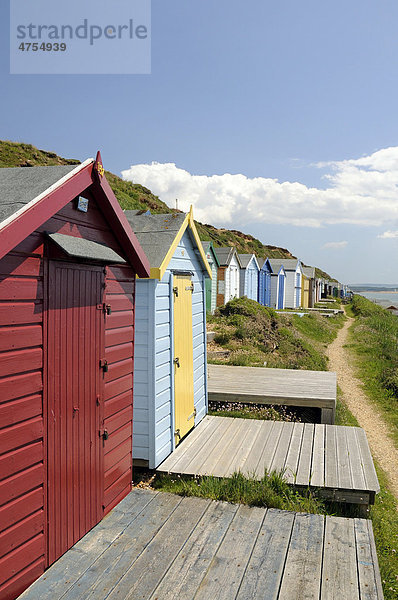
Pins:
x,y
278,119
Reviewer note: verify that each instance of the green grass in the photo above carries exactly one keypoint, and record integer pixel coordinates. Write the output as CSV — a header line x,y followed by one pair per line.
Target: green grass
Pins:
x,y
251,411
271,491
374,343
384,516
255,335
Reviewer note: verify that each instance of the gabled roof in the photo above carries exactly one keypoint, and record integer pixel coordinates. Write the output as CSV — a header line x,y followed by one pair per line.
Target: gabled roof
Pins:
x,y
246,259
225,255
289,264
268,262
30,196
309,272
208,247
160,235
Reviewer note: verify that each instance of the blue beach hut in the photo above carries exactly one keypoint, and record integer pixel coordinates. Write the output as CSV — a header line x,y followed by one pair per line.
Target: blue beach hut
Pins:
x,y
264,283
170,383
248,280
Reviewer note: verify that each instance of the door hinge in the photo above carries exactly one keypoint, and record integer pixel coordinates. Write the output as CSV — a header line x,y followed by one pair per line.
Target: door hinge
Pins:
x,y
175,291
177,434
176,361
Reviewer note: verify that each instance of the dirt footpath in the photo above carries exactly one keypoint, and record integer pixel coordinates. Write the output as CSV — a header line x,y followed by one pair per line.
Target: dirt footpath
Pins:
x,y
367,415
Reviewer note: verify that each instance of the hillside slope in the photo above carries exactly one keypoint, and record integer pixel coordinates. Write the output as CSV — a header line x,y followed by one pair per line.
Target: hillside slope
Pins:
x,y
134,196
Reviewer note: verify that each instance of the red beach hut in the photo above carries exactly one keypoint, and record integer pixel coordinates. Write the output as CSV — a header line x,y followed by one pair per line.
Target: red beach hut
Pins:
x,y
68,262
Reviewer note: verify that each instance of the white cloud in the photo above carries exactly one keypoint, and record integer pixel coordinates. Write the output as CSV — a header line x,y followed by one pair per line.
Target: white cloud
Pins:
x,y
388,235
360,192
335,245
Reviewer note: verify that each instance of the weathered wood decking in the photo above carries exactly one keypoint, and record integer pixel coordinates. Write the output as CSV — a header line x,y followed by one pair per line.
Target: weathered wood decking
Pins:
x,y
315,389
161,546
333,459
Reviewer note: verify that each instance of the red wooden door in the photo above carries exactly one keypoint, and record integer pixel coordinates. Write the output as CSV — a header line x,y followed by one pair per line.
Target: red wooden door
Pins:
x,y
75,449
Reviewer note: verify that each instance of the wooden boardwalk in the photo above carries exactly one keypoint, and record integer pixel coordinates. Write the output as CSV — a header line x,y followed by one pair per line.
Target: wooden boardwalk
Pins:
x,y
333,459
314,389
160,546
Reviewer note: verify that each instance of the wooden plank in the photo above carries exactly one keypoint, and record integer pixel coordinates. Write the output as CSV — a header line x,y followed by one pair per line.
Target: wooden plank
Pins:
x,y
317,477
366,566
331,476
269,449
228,566
272,386
185,574
264,570
339,570
343,459
195,441
293,454
234,450
245,448
305,460
302,575
71,566
371,479
279,458
204,461
357,474
109,567
142,573
218,463
379,587
249,468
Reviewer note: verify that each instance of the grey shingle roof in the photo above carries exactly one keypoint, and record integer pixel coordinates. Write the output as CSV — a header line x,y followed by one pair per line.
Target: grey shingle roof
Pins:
x,y
206,246
155,233
289,264
309,272
246,258
20,185
225,254
81,248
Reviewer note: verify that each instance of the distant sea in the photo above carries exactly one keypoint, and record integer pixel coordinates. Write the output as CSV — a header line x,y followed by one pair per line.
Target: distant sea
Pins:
x,y
384,298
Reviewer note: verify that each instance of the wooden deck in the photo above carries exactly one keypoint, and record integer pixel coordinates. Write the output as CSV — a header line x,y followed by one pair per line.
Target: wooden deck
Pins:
x,y
314,389
161,546
333,459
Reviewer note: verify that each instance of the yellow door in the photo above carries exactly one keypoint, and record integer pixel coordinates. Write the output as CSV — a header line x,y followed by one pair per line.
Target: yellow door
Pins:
x,y
183,357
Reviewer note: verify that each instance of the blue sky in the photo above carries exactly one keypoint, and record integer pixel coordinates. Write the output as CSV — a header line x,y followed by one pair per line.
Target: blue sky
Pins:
x,y
265,90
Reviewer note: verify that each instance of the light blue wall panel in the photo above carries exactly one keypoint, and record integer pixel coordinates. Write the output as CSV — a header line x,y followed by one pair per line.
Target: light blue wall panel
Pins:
x,y
154,374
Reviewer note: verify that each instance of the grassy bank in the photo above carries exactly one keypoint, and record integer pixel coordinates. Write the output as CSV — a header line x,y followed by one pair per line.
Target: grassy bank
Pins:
x,y
271,491
374,343
384,516
255,335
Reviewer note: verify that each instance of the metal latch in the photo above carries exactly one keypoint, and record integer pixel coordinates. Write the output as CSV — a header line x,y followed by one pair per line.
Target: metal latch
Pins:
x,y
176,361
189,288
104,434
104,365
175,291
192,415
106,308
